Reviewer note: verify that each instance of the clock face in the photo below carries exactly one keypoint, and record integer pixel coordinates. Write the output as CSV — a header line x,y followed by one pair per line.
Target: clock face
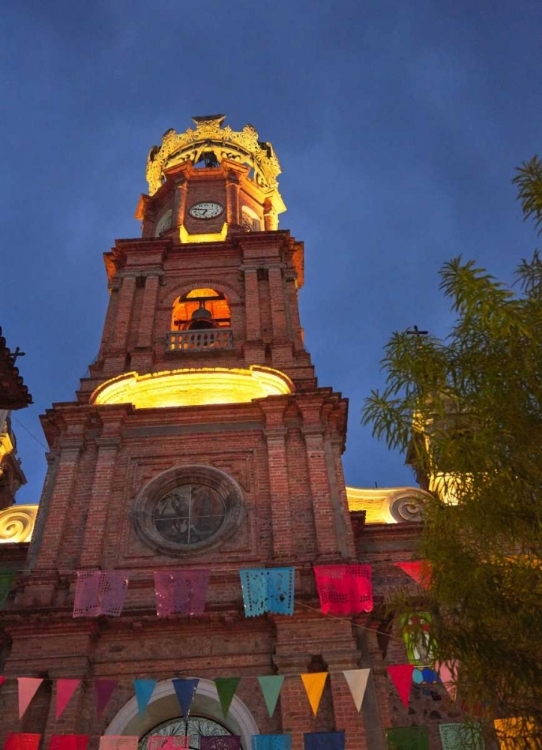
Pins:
x,y
206,210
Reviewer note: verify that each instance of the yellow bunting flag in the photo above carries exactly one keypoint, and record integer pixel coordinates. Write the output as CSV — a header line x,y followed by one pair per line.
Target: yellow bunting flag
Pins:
x,y
314,687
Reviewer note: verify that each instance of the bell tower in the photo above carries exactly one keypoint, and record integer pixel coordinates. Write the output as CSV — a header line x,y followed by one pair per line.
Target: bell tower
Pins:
x,y
200,440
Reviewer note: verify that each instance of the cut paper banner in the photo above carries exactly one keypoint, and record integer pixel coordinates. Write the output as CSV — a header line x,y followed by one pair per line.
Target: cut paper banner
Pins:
x,y
357,682
401,676
226,687
143,690
460,736
103,690
159,742
271,687
324,740
6,583
418,570
64,691
268,590
344,589
231,742
314,683
99,592
22,741
445,671
185,690
407,738
271,742
69,742
28,687
181,591
115,742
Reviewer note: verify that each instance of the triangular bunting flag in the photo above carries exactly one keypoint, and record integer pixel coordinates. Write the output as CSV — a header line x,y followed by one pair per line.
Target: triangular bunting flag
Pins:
x,y
226,687
185,691
314,687
418,570
271,687
357,682
64,691
143,690
103,690
28,687
445,672
401,675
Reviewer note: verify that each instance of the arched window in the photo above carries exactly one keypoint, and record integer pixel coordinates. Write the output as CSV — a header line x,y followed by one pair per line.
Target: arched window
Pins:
x,y
249,220
200,309
194,728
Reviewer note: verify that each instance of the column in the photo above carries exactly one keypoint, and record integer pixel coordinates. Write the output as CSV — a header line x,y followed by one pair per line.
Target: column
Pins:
x,y
148,310
124,312
252,306
99,502
232,199
279,490
270,217
57,510
276,294
179,210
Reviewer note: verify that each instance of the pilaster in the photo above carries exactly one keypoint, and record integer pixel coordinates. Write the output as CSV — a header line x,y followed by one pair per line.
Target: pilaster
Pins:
x,y
108,445
275,434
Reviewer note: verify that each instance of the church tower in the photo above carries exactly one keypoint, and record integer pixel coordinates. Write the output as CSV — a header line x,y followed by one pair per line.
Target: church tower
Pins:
x,y
201,440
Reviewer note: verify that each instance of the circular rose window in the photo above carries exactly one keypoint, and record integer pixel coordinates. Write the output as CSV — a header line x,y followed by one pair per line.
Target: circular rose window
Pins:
x,y
189,514
188,508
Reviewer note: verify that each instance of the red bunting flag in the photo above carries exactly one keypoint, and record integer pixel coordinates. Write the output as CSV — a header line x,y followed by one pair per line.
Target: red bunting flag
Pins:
x,y
28,687
103,690
344,589
69,742
418,570
22,741
64,691
401,675
2,681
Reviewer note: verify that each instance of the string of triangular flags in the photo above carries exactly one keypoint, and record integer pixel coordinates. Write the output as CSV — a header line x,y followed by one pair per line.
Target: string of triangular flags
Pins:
x,y
403,677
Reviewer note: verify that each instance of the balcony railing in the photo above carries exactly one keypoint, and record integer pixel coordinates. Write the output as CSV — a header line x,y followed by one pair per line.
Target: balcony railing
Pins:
x,y
202,340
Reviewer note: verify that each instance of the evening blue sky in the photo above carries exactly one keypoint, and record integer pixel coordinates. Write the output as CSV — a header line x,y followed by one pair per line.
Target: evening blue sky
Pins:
x,y
398,126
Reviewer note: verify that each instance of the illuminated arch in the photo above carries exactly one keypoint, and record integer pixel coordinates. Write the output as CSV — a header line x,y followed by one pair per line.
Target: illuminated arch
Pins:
x,y
164,706
202,307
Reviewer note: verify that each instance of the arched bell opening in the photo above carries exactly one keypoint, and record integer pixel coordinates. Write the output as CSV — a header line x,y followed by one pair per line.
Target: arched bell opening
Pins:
x,y
200,309
163,714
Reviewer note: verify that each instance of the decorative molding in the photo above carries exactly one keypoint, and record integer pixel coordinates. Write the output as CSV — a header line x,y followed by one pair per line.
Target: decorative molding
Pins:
x,y
241,146
17,524
388,505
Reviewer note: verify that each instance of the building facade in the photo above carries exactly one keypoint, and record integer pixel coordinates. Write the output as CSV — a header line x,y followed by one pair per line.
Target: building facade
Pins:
x,y
201,440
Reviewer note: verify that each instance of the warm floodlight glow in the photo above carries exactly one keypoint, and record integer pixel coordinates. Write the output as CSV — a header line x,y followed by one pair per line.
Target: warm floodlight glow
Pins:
x,y
186,237
198,387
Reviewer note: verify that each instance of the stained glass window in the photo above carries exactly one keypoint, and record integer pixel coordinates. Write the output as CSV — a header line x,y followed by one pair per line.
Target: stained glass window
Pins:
x,y
198,726
189,514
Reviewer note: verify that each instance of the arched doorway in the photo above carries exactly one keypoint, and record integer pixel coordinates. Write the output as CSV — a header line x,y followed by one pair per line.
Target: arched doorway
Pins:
x,y
163,711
